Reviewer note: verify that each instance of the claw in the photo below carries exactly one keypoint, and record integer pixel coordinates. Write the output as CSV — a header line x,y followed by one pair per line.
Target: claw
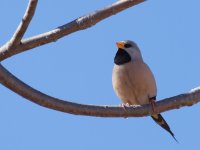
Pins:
x,y
124,105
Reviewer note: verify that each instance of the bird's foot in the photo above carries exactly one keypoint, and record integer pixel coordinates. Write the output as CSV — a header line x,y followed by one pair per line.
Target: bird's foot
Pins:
x,y
124,105
153,104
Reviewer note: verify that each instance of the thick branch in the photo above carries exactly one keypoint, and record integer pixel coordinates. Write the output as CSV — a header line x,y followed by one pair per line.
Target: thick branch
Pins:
x,y
21,29
17,86
76,25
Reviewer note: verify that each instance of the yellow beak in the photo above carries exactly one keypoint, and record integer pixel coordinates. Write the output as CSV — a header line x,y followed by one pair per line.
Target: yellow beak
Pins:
x,y
120,44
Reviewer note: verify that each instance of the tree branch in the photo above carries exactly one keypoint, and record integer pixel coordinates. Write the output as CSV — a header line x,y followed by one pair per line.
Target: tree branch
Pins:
x,y
24,90
21,29
59,32
17,86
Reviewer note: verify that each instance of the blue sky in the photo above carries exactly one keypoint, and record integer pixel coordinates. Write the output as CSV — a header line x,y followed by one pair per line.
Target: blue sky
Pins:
x,y
79,67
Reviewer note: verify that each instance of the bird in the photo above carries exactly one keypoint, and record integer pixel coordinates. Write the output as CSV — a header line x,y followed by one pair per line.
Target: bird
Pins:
x,y
133,81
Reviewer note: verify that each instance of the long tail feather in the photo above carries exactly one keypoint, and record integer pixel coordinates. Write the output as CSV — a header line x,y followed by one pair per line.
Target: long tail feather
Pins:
x,y
161,121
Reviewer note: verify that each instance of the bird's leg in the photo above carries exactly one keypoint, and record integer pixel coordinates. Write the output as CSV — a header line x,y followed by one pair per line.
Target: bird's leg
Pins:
x,y
152,101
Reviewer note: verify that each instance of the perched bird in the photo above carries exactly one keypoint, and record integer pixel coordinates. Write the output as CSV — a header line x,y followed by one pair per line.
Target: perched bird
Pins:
x,y
133,81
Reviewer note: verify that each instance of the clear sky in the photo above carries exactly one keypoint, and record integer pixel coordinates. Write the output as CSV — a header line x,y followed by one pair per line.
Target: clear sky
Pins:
x,y
79,67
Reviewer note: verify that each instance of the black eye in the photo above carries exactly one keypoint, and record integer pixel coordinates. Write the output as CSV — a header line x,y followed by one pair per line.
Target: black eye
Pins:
x,y
127,45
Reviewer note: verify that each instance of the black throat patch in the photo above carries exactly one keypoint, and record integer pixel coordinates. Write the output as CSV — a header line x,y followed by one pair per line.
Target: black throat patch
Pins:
x,y
122,57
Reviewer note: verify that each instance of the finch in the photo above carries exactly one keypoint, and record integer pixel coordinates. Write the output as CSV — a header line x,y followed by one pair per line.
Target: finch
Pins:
x,y
133,81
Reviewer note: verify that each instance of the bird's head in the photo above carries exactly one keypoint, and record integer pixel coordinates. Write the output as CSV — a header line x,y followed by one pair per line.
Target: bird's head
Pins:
x,y
127,51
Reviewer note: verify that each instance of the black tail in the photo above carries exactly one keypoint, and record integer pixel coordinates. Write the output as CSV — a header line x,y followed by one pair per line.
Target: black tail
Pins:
x,y
161,121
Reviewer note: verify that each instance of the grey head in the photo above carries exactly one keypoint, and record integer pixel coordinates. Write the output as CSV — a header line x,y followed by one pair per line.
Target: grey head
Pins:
x,y
127,51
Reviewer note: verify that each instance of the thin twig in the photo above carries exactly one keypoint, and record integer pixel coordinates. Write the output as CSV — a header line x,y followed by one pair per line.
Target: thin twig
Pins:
x,y
21,29
17,86
76,25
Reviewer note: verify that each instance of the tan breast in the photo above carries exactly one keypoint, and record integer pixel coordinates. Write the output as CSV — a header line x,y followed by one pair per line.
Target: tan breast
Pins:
x,y
134,83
